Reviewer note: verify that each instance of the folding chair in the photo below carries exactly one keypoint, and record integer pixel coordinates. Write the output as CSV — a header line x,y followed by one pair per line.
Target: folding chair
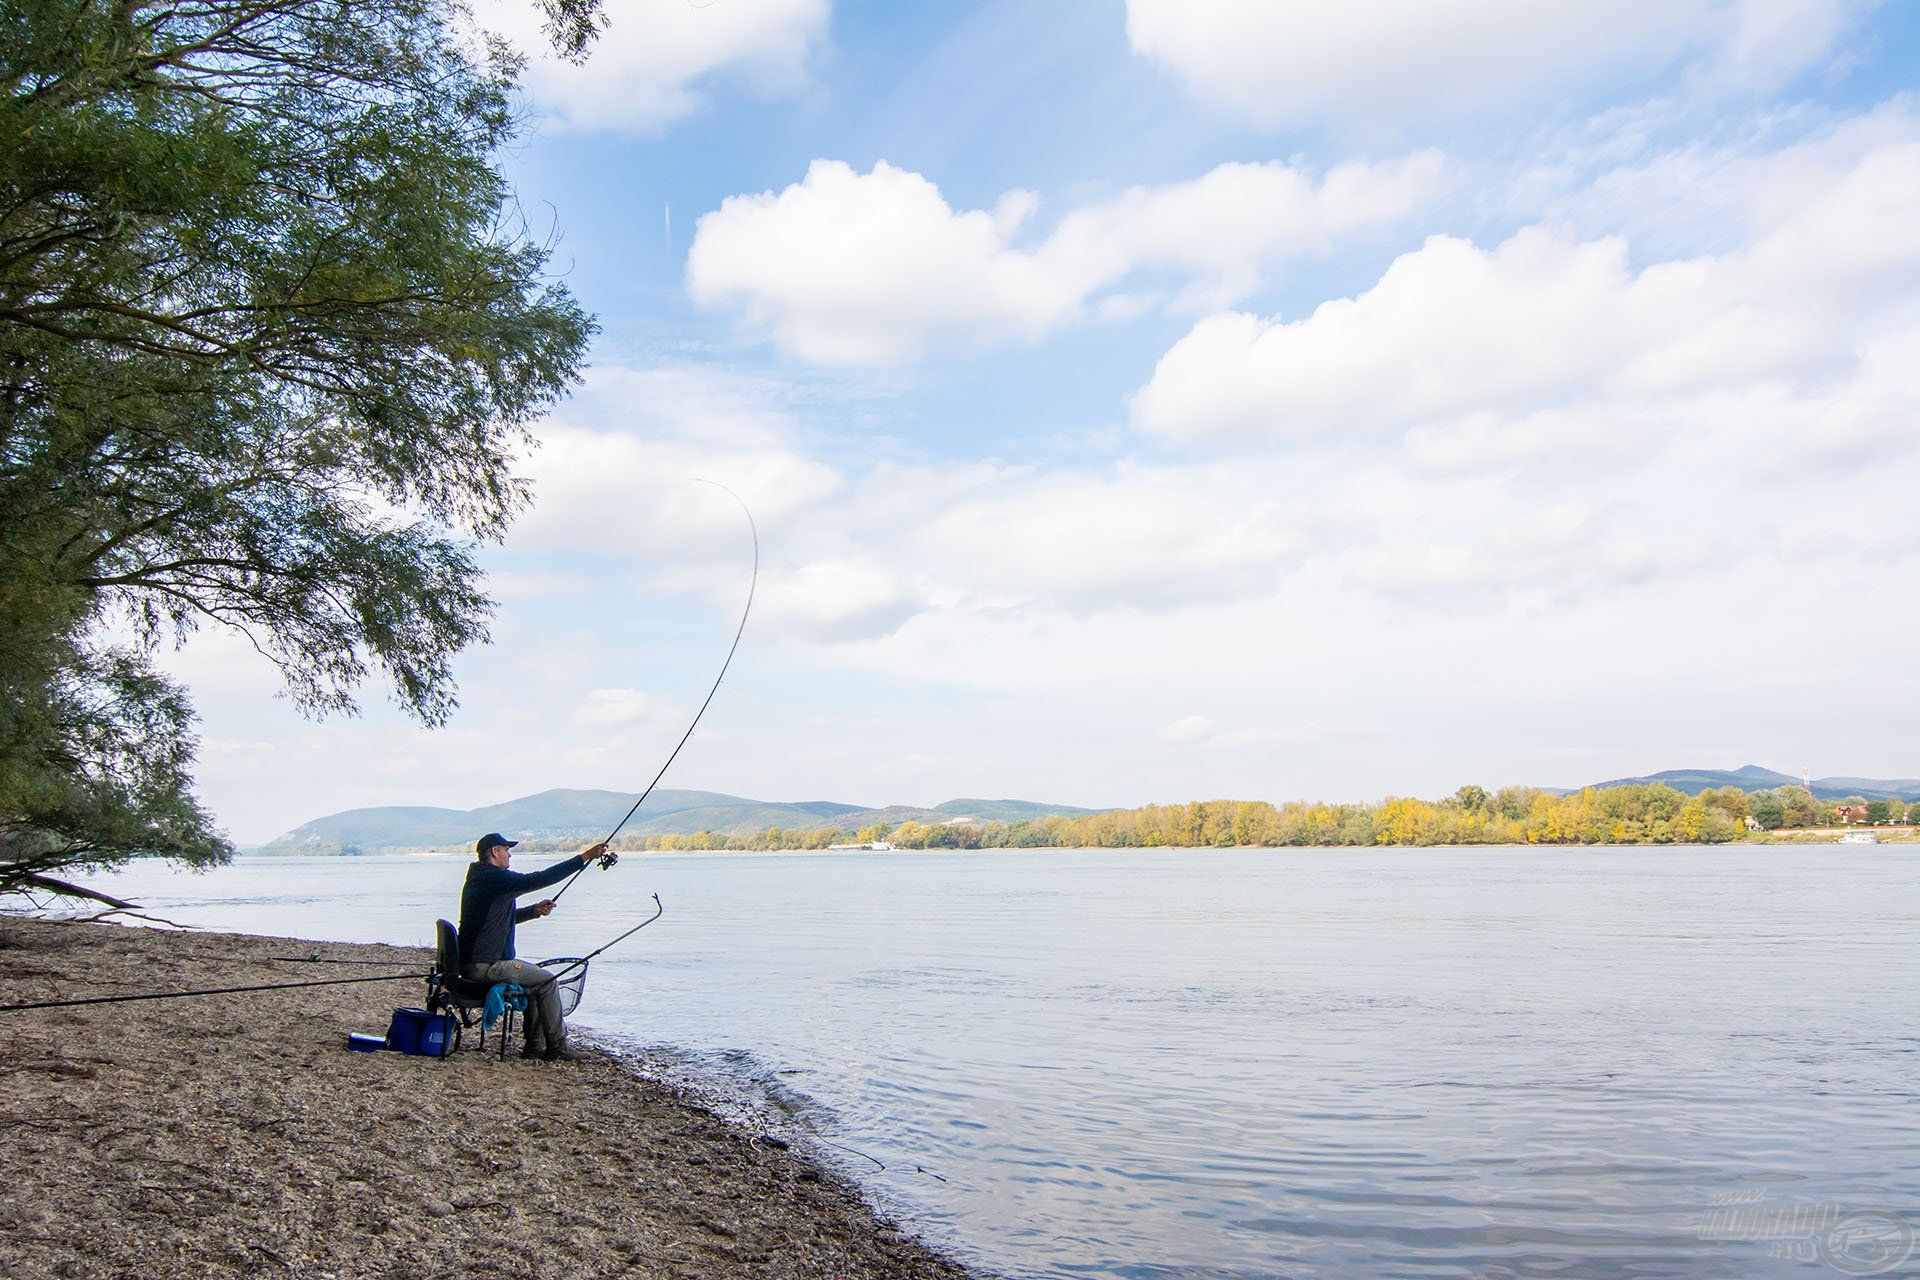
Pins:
x,y
464,997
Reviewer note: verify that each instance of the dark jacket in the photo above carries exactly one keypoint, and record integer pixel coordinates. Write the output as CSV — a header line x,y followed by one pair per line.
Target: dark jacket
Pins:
x,y
487,913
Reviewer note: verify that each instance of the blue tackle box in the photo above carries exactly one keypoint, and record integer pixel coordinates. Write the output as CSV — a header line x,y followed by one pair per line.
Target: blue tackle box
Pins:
x,y
430,1035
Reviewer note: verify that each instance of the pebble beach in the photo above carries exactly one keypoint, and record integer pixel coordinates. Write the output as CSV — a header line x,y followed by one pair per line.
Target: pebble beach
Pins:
x,y
236,1136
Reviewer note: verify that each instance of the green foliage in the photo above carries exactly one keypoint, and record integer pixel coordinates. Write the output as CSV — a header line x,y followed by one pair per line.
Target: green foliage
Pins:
x,y
1655,814
95,763
1634,814
1799,806
269,339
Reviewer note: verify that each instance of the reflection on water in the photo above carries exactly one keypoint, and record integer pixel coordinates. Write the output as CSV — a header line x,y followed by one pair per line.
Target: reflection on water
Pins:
x,y
1487,1062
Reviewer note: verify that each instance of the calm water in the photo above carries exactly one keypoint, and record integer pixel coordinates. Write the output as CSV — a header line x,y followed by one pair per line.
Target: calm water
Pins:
x,y
1496,1062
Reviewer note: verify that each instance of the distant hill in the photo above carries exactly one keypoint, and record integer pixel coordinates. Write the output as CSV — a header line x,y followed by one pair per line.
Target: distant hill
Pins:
x,y
1754,778
588,815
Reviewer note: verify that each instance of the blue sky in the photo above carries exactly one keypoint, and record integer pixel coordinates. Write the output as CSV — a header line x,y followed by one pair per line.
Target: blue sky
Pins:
x,y
1161,400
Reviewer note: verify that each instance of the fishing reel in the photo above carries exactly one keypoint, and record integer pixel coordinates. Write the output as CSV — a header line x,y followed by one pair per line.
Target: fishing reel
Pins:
x,y
608,859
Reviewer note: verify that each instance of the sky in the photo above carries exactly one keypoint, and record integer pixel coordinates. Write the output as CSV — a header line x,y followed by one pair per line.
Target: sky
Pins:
x,y
1160,400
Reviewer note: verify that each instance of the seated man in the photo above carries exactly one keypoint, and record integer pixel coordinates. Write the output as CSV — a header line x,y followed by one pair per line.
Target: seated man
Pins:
x,y
487,917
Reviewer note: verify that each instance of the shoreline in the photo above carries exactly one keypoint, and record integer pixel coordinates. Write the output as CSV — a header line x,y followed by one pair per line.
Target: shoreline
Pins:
x,y
236,1136
1783,836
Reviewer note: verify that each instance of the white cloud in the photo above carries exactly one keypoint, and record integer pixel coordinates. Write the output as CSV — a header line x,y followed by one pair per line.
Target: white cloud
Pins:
x,y
1127,540
1675,184
865,269
650,64
852,268
613,706
834,600
613,494
1391,63
1545,321
218,659
1187,729
613,472
234,746
1224,230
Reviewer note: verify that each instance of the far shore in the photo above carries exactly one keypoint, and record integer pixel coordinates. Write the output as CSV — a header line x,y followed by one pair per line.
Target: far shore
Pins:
x,y
547,848
236,1136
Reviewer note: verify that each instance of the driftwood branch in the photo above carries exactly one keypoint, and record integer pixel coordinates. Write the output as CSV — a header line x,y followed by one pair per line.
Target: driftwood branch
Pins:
x,y
65,889
135,915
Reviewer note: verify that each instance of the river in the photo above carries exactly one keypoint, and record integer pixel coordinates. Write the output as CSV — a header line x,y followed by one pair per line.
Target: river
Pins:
x,y
1143,1065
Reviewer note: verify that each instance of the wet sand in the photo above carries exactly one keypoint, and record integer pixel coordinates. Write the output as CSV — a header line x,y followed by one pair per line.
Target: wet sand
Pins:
x,y
236,1136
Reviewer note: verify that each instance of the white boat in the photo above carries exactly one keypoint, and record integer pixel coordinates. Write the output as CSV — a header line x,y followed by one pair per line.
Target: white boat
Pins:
x,y
1858,837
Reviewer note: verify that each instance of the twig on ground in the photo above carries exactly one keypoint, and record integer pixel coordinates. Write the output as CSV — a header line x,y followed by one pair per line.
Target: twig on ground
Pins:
x,y
67,889
122,911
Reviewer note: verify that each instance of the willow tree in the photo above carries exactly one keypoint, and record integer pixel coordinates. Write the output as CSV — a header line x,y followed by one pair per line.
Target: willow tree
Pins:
x,y
270,333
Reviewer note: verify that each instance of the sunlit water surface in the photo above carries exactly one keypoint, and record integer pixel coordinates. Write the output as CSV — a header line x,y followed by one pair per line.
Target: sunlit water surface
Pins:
x,y
1486,1062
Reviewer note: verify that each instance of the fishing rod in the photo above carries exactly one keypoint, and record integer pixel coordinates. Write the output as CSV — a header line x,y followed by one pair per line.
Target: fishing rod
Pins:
x,y
325,960
608,860
569,963
210,991
564,967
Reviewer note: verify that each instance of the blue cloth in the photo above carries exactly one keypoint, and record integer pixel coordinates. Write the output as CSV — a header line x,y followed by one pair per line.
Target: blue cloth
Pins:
x,y
487,913
502,996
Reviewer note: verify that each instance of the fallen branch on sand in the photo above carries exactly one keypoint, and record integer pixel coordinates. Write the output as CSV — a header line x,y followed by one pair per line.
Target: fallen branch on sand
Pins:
x,y
67,889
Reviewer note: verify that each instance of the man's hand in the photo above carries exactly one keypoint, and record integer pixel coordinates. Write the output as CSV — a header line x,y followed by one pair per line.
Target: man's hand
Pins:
x,y
596,853
543,908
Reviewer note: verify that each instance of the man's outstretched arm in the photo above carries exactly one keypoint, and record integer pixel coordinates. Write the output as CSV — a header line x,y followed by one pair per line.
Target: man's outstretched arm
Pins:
x,y
517,883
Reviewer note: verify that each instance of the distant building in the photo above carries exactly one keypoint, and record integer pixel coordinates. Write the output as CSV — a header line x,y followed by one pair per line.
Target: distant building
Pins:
x,y
1850,813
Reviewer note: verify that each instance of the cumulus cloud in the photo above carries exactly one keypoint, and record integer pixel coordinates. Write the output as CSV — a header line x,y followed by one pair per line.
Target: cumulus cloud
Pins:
x,y
852,268
1186,729
1546,320
1375,63
1131,539
613,706
836,600
874,268
615,494
234,746
613,470
651,63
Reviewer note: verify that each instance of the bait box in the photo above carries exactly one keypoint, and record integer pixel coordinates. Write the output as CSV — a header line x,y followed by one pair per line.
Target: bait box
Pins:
x,y
418,1032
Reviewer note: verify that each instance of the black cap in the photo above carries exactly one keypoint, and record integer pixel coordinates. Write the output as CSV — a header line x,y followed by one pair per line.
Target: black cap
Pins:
x,y
492,840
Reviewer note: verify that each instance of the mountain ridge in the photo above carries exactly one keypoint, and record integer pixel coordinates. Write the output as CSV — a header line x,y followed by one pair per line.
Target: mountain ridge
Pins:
x,y
568,813
1753,777
585,814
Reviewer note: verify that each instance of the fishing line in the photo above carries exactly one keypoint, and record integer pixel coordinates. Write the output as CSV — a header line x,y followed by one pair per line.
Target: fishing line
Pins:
x,y
752,585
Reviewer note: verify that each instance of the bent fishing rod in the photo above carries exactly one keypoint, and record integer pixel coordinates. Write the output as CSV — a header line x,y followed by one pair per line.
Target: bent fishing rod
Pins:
x,y
753,584
565,967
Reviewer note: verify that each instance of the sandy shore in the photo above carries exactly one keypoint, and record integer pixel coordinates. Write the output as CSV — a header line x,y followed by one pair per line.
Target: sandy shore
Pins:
x,y
236,1136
